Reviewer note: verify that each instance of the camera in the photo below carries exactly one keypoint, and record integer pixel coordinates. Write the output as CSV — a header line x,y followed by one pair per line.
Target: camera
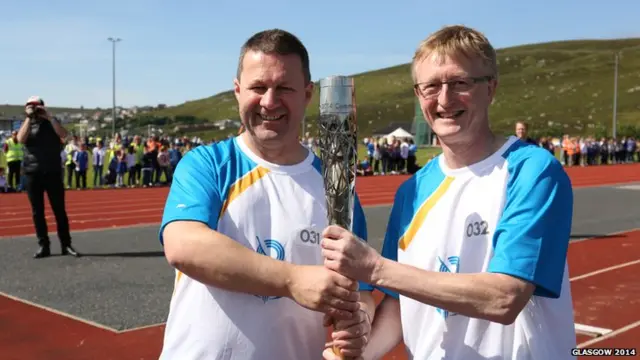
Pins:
x,y
36,111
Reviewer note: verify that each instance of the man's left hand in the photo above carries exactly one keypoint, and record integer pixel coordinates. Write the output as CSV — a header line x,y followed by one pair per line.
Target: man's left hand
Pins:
x,y
350,336
42,113
344,253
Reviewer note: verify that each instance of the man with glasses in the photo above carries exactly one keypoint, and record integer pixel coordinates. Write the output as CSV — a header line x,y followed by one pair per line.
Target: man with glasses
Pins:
x,y
474,259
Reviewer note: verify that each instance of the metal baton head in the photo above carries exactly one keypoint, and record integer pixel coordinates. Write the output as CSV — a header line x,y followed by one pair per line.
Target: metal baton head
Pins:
x,y
337,142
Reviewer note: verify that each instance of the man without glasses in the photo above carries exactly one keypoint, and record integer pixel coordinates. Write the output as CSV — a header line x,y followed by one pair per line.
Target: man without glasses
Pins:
x,y
242,226
474,258
41,133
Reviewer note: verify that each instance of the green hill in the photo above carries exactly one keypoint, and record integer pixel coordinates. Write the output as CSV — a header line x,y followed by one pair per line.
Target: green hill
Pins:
x,y
18,110
557,87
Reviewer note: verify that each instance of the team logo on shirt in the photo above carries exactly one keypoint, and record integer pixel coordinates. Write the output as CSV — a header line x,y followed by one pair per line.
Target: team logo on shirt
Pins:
x,y
275,250
451,265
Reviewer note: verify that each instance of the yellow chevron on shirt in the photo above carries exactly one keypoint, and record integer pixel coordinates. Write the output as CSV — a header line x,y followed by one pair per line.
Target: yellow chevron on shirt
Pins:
x,y
424,209
243,184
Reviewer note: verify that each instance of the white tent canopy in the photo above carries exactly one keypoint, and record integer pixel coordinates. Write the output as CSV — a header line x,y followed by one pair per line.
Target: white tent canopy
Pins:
x,y
400,133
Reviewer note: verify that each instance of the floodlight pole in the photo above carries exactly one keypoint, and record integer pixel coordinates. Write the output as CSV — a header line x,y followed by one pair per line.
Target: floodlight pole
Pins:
x,y
615,96
113,63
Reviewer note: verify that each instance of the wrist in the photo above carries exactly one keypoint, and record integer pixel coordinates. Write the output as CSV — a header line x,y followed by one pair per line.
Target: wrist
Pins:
x,y
377,273
366,313
285,289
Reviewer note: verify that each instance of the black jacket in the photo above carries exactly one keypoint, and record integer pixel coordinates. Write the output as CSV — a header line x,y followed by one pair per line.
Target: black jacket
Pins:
x,y
42,149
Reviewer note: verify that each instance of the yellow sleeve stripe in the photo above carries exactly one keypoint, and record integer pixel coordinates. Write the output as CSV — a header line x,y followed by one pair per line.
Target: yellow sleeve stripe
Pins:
x,y
241,185
175,286
424,209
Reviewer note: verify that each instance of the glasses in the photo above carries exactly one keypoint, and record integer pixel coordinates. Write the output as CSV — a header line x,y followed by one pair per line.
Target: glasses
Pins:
x,y
458,86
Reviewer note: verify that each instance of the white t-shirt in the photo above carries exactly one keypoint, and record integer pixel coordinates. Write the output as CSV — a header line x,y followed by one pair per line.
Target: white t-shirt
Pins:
x,y
98,156
510,213
278,211
404,150
63,157
131,160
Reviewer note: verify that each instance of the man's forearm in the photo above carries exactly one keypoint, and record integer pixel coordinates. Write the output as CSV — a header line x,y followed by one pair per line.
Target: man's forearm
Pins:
x,y
23,132
59,129
488,296
368,304
216,260
386,332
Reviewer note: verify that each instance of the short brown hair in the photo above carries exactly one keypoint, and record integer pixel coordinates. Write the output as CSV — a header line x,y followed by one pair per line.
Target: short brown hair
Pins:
x,y
457,40
279,42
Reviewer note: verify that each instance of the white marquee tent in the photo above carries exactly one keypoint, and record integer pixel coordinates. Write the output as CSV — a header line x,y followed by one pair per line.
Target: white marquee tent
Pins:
x,y
401,133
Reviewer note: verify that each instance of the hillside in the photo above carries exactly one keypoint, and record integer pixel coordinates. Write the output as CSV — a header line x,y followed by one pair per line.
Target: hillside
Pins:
x,y
558,87
18,110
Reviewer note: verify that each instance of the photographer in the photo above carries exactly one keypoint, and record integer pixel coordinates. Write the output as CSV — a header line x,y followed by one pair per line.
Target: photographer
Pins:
x,y
41,134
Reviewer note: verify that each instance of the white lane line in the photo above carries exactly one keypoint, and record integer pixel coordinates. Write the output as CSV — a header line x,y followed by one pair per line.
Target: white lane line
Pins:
x,y
600,271
609,335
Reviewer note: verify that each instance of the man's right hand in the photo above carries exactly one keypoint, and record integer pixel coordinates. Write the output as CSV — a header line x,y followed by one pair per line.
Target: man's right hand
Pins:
x,y
320,289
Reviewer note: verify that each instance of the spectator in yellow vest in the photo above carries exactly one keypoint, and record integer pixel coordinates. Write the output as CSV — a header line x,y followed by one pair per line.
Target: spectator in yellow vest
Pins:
x,y
14,155
114,146
138,147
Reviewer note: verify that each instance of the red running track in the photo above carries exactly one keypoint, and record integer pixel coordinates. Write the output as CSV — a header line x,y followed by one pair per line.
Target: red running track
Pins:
x,y
604,284
102,209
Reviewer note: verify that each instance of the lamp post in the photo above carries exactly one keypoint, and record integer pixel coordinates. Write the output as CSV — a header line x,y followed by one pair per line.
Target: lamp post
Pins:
x,y
615,96
618,54
113,112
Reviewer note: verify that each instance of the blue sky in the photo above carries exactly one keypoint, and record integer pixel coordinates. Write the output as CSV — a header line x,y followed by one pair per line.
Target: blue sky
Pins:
x,y
176,51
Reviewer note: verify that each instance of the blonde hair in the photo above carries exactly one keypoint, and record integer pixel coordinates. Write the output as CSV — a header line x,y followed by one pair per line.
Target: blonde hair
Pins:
x,y
454,41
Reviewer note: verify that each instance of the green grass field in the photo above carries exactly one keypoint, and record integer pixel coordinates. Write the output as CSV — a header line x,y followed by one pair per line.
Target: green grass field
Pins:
x,y
423,155
91,175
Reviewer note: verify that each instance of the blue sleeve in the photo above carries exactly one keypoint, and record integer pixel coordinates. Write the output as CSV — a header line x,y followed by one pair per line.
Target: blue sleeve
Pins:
x,y
360,230
532,237
393,235
359,221
194,194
